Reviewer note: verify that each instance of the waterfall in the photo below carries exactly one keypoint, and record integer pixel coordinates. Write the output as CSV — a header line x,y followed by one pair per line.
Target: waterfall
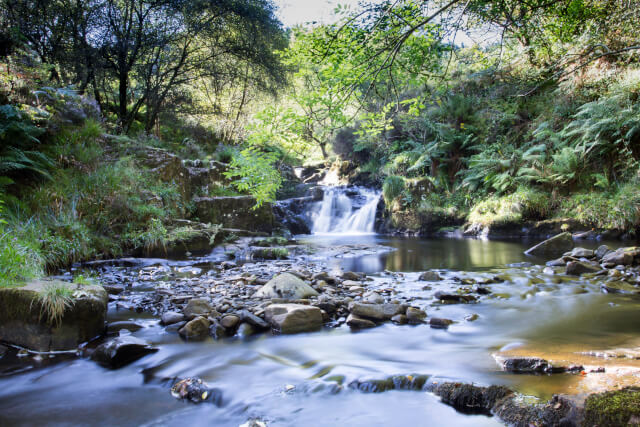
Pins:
x,y
347,210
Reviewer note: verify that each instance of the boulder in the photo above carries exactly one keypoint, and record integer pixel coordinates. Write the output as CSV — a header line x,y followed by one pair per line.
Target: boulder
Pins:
x,y
469,398
195,329
576,268
235,212
121,351
358,322
197,307
602,251
553,247
230,321
293,318
376,311
620,287
23,320
286,286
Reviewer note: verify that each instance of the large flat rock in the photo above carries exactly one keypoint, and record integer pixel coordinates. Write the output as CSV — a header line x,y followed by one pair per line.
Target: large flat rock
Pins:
x,y
22,322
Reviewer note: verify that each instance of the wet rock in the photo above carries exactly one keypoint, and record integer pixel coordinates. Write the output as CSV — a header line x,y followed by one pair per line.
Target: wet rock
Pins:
x,y
373,298
555,246
415,315
358,322
327,304
622,256
175,327
400,319
471,317
576,268
397,382
197,307
3,350
216,330
171,317
470,399
580,253
560,411
620,287
454,297
230,321
121,351
533,365
196,329
430,276
602,251
196,391
294,318
247,317
287,286
246,330
439,323
21,322
115,327
350,275
560,262
376,311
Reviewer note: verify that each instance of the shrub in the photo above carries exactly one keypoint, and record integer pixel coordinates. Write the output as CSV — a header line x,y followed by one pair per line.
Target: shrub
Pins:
x,y
523,205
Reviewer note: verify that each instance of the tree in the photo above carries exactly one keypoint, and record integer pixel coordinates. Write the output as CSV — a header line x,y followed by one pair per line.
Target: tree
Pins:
x,y
138,54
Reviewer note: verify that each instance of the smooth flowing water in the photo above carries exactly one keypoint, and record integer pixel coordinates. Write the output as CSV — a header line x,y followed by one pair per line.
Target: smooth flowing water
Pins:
x,y
344,210
293,380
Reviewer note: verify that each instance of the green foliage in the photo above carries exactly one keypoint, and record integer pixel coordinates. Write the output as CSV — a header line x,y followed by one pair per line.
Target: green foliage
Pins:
x,y
254,172
55,298
18,261
19,144
392,188
525,204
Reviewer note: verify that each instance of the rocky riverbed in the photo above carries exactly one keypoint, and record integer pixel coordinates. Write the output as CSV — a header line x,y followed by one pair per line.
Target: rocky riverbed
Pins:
x,y
308,326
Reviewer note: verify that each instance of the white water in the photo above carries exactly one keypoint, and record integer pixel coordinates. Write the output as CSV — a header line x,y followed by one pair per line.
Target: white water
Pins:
x,y
344,214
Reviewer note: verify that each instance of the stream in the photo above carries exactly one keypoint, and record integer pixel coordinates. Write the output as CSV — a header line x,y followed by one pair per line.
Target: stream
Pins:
x,y
302,379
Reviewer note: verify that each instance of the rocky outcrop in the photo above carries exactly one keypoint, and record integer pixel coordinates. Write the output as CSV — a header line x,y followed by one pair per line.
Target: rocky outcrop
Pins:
x,y
286,286
121,351
23,319
168,167
293,318
235,212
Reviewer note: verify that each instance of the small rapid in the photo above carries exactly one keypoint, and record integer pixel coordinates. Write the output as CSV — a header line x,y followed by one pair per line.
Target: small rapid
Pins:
x,y
345,210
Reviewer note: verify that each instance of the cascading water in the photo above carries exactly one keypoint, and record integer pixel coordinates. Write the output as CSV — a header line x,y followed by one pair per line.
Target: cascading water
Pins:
x,y
347,210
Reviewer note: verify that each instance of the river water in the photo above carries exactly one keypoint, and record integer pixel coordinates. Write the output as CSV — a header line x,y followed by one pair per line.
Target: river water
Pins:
x,y
293,380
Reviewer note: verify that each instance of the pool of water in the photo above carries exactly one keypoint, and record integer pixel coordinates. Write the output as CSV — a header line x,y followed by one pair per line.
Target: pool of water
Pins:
x,y
303,379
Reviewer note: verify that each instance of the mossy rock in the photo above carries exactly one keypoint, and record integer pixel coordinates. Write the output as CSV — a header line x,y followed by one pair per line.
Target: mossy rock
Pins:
x,y
613,408
22,321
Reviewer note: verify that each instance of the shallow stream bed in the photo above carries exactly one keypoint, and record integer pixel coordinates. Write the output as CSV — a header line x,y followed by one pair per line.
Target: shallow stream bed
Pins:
x,y
303,379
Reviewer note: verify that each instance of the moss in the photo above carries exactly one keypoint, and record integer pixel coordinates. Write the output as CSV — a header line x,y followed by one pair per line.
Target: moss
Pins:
x,y
613,408
271,253
271,241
